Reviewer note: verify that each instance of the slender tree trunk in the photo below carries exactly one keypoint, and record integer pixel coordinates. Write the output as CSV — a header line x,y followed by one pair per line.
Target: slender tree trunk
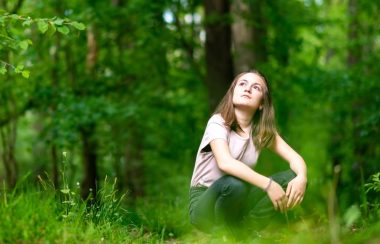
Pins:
x,y
121,43
354,57
70,64
89,184
219,64
55,169
92,49
354,48
8,139
9,131
134,170
53,107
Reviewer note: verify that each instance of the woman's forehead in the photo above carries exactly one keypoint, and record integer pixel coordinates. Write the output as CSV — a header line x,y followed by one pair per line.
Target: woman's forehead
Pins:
x,y
252,78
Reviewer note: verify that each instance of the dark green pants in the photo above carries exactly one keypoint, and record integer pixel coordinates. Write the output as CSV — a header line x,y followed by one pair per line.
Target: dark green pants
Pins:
x,y
229,200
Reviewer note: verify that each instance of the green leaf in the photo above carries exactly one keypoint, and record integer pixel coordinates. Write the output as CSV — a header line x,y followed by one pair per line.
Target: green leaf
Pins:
x,y
52,29
19,68
58,21
27,22
25,74
78,26
65,191
64,30
24,44
3,70
42,26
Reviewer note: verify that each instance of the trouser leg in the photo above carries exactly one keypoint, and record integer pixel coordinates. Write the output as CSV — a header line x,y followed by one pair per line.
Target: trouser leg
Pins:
x,y
220,204
229,199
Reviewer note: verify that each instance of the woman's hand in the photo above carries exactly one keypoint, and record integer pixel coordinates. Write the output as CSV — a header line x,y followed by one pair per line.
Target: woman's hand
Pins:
x,y
278,197
295,191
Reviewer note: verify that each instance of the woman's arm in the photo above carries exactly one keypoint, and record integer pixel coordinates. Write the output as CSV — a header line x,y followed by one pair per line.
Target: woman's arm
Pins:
x,y
296,187
234,167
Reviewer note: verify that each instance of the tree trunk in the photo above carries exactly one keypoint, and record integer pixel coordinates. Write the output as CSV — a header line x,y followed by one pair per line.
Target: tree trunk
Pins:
x,y
53,107
134,170
219,69
8,129
353,55
55,170
8,132
260,33
8,138
89,184
242,36
87,131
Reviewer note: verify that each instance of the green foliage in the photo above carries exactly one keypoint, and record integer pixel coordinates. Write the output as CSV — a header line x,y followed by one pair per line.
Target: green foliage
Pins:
x,y
11,40
374,185
372,189
139,90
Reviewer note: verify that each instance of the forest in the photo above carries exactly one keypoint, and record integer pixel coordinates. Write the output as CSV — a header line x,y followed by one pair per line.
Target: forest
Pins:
x,y
103,105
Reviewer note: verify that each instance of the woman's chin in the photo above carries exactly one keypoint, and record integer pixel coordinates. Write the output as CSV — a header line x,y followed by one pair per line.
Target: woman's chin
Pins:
x,y
246,106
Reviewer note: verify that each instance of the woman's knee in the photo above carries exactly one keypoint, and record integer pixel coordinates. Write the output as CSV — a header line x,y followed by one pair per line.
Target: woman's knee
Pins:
x,y
233,186
284,177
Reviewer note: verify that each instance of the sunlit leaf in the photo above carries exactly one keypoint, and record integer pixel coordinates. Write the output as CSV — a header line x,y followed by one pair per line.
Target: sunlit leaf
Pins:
x,y
25,73
78,25
52,29
42,26
24,44
27,22
3,70
63,29
58,21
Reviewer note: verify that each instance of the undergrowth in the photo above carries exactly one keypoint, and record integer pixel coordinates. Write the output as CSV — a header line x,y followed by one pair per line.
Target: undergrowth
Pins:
x,y
40,214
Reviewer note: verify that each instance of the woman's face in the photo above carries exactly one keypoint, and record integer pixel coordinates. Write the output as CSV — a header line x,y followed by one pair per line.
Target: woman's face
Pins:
x,y
249,91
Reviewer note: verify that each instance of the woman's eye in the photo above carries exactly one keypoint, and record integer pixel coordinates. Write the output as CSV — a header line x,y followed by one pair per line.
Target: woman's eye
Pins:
x,y
257,88
241,84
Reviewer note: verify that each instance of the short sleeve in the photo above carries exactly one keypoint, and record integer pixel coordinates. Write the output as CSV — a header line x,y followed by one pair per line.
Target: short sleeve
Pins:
x,y
215,129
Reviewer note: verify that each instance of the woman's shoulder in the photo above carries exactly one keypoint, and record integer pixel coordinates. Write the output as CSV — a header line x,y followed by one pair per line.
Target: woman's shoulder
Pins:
x,y
217,118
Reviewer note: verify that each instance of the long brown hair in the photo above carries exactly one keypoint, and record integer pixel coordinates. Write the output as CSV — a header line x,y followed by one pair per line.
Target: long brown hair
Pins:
x,y
263,122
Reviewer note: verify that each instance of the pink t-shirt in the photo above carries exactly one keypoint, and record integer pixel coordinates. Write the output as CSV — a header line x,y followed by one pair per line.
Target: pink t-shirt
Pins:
x,y
206,169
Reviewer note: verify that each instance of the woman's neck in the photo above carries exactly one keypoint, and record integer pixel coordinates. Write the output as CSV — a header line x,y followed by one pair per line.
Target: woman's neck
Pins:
x,y
244,119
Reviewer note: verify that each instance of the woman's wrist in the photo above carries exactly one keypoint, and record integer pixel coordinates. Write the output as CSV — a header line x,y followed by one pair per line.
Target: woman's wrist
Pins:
x,y
269,184
302,176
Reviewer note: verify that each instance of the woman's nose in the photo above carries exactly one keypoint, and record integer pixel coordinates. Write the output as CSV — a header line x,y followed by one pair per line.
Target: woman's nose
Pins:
x,y
247,89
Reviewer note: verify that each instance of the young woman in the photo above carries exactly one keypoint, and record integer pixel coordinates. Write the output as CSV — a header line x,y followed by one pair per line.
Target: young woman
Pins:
x,y
224,187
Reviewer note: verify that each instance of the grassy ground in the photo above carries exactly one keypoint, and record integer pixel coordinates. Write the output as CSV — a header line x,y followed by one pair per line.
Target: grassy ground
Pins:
x,y
59,216
46,215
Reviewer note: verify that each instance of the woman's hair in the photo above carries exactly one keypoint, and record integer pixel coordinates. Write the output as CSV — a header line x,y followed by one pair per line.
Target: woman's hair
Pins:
x,y
264,125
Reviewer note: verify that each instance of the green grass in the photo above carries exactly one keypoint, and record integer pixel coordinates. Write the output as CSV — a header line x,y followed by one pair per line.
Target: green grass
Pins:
x,y
45,215
35,215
